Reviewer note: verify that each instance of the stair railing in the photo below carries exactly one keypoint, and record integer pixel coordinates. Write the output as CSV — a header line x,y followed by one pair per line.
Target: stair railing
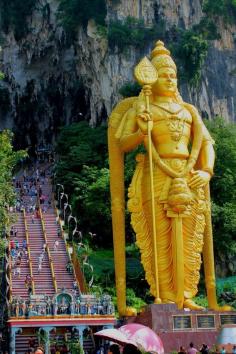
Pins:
x,y
9,274
29,253
79,277
48,251
78,272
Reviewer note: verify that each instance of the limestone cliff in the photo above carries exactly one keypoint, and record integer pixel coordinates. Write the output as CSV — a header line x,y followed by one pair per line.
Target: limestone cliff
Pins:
x,y
49,83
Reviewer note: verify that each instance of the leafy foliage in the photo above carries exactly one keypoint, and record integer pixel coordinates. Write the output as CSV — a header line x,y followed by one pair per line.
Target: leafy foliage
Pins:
x,y
130,89
14,14
223,186
221,8
190,50
207,27
132,32
8,160
226,284
103,264
75,346
83,170
92,202
73,13
201,300
80,145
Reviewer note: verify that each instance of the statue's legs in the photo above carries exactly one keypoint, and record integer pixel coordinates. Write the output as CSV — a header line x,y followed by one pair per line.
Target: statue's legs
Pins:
x,y
192,234
164,250
193,228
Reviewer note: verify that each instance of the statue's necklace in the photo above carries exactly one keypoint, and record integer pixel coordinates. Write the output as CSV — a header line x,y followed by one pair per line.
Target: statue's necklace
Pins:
x,y
174,123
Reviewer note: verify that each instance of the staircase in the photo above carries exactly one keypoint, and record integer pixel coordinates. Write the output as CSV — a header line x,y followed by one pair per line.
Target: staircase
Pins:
x,y
43,280
18,283
22,343
59,256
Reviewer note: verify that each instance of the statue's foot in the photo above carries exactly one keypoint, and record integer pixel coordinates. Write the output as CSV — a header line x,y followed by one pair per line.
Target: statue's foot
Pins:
x,y
157,300
167,301
222,308
190,304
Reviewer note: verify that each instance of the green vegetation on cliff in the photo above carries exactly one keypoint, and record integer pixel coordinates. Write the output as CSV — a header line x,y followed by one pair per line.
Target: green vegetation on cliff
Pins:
x,y
73,13
133,32
190,47
130,89
190,52
221,8
14,15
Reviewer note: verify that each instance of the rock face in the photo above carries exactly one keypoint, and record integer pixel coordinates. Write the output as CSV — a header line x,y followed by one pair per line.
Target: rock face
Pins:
x,y
42,80
49,83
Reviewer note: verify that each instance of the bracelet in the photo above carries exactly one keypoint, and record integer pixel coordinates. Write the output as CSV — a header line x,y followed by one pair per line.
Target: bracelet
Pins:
x,y
209,170
141,133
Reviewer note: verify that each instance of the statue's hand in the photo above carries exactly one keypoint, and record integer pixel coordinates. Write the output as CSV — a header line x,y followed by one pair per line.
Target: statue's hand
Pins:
x,y
199,179
142,121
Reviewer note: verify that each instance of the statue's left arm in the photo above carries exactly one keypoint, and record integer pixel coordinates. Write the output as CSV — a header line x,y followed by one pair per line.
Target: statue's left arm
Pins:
x,y
206,158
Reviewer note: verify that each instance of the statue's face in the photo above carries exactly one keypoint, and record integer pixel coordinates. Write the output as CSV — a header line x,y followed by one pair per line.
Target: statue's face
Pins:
x,y
166,84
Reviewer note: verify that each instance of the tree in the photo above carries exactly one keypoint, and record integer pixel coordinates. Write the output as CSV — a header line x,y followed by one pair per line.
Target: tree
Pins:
x,y
223,186
73,13
83,170
91,200
8,160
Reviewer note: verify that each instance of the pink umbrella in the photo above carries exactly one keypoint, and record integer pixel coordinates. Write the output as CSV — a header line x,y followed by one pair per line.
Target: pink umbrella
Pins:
x,y
114,335
141,336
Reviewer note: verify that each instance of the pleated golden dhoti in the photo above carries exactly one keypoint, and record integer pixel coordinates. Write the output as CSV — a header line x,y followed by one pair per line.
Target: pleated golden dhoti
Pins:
x,y
192,229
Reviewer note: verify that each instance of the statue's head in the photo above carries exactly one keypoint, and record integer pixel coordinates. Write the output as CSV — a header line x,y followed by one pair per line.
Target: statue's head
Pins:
x,y
166,84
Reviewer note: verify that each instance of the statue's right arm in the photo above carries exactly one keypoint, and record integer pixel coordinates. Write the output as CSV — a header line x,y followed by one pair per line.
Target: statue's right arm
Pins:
x,y
131,136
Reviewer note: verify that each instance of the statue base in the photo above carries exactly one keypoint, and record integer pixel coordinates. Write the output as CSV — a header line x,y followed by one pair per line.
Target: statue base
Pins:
x,y
180,327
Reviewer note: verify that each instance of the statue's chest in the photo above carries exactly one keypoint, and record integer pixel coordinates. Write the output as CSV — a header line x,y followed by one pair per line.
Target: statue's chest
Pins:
x,y
174,120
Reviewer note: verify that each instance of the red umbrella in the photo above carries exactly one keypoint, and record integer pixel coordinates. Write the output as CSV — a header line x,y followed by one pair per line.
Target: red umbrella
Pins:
x,y
141,336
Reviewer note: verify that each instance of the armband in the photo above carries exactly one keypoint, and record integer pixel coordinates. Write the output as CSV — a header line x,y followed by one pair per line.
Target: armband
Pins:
x,y
209,170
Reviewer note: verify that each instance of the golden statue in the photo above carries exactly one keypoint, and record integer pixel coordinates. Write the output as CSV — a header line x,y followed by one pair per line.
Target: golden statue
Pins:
x,y
169,197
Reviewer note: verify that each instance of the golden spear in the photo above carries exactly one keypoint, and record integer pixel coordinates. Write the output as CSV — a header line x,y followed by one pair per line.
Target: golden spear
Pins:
x,y
146,74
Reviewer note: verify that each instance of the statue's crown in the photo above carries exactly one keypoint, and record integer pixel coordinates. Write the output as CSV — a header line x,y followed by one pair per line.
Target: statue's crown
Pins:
x,y
161,57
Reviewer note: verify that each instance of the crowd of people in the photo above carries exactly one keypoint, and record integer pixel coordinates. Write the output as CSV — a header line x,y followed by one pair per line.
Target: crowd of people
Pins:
x,y
64,349
192,350
204,349
30,191
17,252
29,188
116,349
